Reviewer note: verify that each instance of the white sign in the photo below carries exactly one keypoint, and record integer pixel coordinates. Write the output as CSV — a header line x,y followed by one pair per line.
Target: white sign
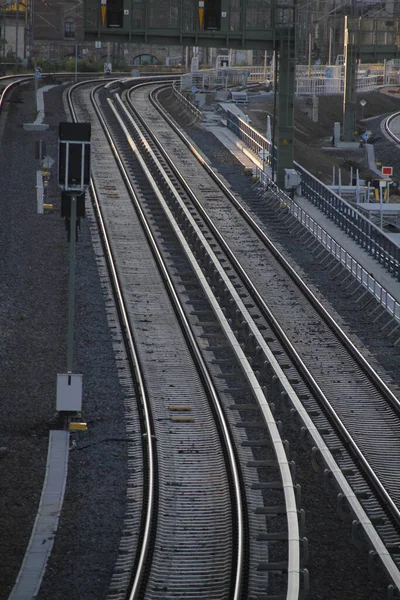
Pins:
x,y
107,68
97,44
69,393
47,162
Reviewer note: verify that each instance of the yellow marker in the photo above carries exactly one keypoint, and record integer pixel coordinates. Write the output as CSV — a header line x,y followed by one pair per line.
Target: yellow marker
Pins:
x,y
201,13
179,407
78,426
47,206
103,15
182,419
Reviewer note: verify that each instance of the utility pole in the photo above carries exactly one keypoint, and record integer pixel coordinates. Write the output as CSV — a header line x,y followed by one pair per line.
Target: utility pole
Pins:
x,y
4,32
350,93
16,36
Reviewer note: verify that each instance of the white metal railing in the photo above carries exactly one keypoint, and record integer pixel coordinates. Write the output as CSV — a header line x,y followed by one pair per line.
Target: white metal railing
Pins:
x,y
193,109
310,79
367,281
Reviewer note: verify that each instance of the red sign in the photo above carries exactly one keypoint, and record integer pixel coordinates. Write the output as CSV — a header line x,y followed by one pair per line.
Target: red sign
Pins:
x,y
387,171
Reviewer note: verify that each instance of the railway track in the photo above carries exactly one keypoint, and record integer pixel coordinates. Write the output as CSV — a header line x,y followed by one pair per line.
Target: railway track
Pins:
x,y
351,406
194,533
236,348
286,341
223,336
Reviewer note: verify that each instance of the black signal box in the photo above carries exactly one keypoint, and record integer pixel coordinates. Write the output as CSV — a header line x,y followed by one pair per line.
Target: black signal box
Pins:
x,y
212,15
74,156
66,205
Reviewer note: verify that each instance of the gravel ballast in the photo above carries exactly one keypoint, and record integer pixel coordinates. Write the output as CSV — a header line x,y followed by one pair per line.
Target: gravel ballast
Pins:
x,y
33,342
338,570
33,338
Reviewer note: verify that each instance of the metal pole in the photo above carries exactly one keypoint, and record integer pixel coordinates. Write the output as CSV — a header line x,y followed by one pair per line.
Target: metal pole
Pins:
x,y
265,65
273,152
357,187
76,62
36,87
25,28
31,28
16,37
71,285
4,37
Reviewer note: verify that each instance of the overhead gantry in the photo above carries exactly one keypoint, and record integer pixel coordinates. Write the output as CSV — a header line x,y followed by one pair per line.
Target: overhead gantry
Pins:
x,y
367,40
267,25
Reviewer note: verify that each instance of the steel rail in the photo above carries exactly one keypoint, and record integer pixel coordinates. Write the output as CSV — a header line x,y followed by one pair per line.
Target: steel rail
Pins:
x,y
135,362
10,86
293,528
205,374
387,126
389,565
136,589
335,328
375,378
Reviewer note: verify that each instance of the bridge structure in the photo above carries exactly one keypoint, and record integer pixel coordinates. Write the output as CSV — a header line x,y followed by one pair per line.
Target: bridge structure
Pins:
x,y
235,24
267,25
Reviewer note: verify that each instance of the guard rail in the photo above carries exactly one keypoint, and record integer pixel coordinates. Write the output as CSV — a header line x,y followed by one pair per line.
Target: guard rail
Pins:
x,y
342,213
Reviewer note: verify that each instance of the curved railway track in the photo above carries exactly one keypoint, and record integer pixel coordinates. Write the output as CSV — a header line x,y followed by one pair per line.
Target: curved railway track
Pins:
x,y
388,126
196,545
222,336
289,343
352,408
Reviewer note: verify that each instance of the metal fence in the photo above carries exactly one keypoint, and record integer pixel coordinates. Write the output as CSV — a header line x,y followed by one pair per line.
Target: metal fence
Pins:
x,y
360,229
311,80
350,220
252,138
343,214
198,115
326,240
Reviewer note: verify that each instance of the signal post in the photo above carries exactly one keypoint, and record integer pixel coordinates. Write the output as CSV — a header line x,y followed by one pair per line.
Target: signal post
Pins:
x,y
73,178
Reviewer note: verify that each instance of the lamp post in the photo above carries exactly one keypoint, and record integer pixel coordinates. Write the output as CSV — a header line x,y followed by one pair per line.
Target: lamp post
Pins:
x,y
362,103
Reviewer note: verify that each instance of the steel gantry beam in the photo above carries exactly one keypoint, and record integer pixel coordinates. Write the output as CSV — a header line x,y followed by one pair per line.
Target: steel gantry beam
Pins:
x,y
367,39
234,24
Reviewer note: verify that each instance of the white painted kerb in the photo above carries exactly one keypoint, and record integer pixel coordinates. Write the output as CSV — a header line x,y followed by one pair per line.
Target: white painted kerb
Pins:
x,y
41,543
